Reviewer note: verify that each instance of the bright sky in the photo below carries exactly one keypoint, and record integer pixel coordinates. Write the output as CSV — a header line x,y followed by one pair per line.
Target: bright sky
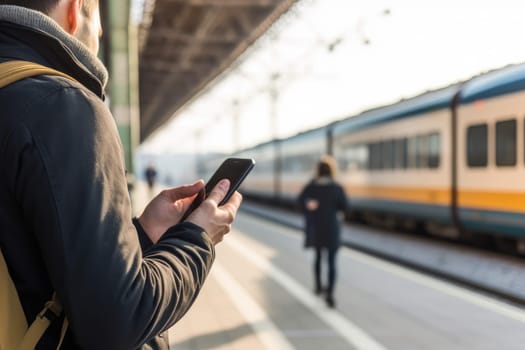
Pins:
x,y
417,46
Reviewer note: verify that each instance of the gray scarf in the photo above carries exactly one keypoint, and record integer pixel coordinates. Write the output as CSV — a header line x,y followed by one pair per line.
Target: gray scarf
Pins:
x,y
38,21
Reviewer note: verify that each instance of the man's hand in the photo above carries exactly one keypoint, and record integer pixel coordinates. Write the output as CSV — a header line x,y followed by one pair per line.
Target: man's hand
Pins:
x,y
215,220
167,208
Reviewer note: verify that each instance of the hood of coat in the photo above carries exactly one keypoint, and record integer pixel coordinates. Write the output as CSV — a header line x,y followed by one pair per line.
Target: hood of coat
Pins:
x,y
30,35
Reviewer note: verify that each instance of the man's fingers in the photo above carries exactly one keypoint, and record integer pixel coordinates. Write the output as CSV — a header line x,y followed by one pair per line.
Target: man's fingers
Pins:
x,y
230,208
177,193
235,200
219,191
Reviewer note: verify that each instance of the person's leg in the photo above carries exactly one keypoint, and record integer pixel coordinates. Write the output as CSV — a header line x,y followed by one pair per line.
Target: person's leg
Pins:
x,y
317,271
332,274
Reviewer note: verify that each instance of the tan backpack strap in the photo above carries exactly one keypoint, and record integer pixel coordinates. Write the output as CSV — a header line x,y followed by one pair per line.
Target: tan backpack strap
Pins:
x,y
13,71
51,311
65,324
13,324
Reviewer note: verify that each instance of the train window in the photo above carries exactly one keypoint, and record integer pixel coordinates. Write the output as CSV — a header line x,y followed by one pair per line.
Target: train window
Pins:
x,y
434,150
393,153
344,155
341,156
287,164
346,158
388,154
381,147
301,163
411,152
266,166
401,153
314,160
369,153
370,162
261,167
506,143
421,151
477,145
352,158
309,161
374,156
360,156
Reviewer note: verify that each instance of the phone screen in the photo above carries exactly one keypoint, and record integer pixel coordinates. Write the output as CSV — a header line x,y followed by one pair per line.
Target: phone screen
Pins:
x,y
233,169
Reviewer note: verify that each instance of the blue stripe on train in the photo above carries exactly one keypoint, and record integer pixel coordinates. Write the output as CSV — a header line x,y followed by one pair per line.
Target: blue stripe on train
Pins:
x,y
438,213
505,223
493,221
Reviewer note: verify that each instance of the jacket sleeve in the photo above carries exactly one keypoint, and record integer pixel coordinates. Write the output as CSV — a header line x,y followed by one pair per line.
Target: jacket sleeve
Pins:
x,y
70,182
301,199
344,202
145,242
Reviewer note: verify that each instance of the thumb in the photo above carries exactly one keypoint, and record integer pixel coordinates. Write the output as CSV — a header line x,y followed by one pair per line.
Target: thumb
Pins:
x,y
219,191
177,193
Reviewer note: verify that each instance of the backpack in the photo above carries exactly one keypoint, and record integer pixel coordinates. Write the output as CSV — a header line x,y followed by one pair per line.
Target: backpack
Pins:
x,y
14,331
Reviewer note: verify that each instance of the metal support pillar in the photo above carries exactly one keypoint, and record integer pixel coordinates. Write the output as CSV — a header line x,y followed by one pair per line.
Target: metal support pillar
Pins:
x,y
123,83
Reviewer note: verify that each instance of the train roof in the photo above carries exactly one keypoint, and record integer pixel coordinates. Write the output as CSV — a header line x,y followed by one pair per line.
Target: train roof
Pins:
x,y
259,145
426,102
489,84
306,134
494,83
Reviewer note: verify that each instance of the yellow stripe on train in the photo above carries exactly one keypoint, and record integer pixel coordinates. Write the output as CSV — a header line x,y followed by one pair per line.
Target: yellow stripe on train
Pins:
x,y
489,200
500,201
434,196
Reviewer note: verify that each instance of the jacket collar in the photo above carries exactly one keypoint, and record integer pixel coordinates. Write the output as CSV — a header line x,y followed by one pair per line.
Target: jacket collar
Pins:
x,y
323,180
43,25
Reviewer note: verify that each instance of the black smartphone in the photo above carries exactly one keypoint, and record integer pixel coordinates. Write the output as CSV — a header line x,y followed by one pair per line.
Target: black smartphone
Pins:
x,y
233,169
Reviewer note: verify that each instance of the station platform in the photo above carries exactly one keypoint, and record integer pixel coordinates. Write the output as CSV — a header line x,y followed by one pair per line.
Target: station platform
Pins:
x,y
481,269
259,296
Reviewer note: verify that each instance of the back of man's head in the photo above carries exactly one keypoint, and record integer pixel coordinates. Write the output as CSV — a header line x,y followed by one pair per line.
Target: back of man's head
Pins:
x,y
46,6
40,5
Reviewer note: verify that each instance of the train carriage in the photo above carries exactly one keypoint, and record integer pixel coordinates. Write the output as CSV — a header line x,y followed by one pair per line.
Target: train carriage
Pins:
x,y
490,149
452,159
262,181
396,159
208,163
299,156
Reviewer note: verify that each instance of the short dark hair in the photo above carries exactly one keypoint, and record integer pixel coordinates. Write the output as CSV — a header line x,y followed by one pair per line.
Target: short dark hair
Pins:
x,y
40,5
326,167
46,6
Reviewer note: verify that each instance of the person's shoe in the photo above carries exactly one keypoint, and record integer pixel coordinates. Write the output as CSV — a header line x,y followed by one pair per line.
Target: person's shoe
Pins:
x,y
330,302
318,290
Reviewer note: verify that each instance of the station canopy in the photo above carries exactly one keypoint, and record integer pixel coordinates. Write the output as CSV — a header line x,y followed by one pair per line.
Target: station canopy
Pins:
x,y
187,43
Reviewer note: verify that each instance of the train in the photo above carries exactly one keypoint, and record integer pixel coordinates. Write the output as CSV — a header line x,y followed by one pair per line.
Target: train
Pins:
x,y
450,161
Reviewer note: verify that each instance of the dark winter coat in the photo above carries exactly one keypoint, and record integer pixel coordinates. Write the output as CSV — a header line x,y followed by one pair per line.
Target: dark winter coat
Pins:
x,y
322,226
65,213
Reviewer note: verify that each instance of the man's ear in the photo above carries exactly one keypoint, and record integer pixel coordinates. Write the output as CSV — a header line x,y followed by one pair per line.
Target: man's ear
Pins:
x,y
74,13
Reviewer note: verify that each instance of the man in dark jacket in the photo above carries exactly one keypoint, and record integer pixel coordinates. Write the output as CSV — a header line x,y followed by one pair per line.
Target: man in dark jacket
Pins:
x,y
65,213
321,200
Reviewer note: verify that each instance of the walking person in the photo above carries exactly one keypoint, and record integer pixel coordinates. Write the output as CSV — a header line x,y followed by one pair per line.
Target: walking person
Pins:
x,y
66,227
151,175
321,201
